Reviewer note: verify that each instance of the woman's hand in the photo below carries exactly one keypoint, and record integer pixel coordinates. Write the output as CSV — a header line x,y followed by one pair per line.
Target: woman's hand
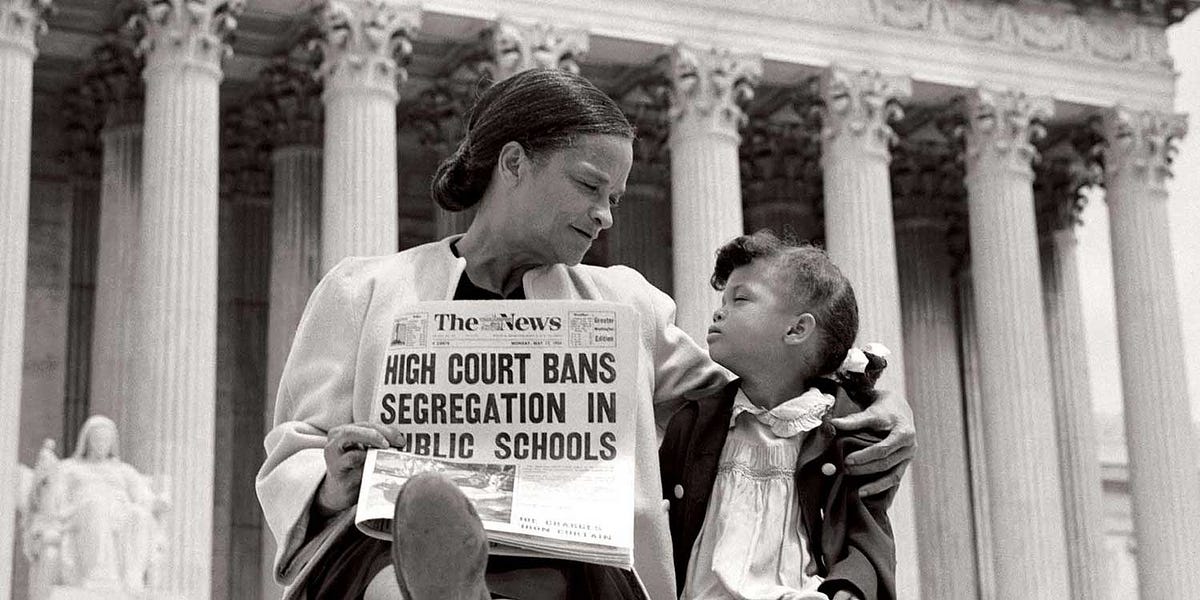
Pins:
x,y
345,453
891,455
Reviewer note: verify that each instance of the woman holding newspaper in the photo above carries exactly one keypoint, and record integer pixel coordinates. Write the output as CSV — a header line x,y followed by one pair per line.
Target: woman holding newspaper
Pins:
x,y
545,159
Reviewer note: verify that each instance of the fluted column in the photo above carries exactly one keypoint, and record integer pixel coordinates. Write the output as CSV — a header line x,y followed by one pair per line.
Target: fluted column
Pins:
x,y
1158,423
362,41
637,238
1018,415
116,269
291,116
175,366
855,138
641,236
1060,202
20,21
707,86
940,473
976,447
82,156
119,85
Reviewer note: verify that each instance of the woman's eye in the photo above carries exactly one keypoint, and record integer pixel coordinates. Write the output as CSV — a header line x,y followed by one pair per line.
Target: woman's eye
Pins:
x,y
614,202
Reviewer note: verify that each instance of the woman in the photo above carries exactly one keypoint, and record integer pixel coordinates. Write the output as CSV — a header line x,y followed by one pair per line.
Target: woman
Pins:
x,y
545,158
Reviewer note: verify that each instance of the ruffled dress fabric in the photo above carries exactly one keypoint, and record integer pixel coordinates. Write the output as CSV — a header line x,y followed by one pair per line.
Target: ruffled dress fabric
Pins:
x,y
752,544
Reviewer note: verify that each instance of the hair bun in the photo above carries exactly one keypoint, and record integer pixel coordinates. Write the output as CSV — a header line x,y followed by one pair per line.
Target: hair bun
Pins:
x,y
453,186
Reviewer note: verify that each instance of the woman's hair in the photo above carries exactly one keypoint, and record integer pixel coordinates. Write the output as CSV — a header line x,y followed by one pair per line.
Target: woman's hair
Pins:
x,y
541,109
816,284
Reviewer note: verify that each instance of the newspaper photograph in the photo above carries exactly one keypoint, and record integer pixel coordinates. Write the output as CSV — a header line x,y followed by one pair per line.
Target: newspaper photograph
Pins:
x,y
528,407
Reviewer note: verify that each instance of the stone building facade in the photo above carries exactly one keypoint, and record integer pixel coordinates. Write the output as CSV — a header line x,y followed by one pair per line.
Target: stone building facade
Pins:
x,y
176,175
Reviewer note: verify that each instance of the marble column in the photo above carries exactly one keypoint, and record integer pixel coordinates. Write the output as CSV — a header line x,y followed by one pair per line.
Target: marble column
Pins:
x,y
291,116
637,238
1060,202
1018,413
119,79
976,447
855,151
175,399
641,233
116,268
940,473
1158,423
362,42
20,22
83,157
707,86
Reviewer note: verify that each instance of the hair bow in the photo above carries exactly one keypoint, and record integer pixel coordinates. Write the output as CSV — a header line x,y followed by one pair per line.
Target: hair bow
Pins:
x,y
856,360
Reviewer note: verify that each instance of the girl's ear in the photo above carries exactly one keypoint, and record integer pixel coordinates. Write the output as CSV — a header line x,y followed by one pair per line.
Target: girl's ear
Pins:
x,y
801,329
508,165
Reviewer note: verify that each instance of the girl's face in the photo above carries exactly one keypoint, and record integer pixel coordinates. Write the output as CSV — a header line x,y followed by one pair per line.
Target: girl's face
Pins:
x,y
560,202
756,313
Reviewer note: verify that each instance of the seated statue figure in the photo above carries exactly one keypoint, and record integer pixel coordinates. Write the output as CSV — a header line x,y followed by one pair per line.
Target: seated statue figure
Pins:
x,y
102,515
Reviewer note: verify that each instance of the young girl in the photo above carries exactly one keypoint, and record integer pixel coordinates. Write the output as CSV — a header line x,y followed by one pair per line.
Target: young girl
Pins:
x,y
760,505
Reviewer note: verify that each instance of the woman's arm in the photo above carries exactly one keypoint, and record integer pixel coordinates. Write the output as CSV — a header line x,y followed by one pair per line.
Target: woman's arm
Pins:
x,y
315,396
887,459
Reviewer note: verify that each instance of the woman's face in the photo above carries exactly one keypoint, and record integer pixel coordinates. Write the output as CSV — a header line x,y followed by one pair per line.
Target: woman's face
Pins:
x,y
562,200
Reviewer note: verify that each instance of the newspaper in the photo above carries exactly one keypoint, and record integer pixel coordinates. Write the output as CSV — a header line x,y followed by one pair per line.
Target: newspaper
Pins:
x,y
528,406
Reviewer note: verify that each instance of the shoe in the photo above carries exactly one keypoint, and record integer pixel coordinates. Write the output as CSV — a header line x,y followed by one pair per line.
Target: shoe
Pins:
x,y
439,547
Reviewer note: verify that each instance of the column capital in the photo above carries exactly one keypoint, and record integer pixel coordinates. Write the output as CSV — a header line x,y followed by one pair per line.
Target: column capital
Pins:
x,y
185,34
1002,125
1141,144
365,45
288,102
927,186
861,104
437,115
21,21
515,47
83,152
245,155
646,103
709,85
114,74
780,158
1060,178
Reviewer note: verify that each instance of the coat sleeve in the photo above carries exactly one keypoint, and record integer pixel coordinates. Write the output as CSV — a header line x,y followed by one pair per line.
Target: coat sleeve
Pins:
x,y
856,535
315,395
682,369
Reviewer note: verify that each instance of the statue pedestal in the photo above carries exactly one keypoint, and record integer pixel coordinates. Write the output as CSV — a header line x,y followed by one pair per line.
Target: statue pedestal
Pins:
x,y
60,592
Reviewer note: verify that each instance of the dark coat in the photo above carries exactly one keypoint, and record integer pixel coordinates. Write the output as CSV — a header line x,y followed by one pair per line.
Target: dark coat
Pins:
x,y
857,552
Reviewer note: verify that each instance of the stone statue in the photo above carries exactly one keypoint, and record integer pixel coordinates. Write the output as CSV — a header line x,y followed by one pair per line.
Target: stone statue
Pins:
x,y
91,521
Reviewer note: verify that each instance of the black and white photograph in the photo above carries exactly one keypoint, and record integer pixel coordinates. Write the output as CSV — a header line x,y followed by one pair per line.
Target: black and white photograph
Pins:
x,y
887,299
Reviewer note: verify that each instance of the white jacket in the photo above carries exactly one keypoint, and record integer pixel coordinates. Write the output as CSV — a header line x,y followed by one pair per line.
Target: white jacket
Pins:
x,y
336,358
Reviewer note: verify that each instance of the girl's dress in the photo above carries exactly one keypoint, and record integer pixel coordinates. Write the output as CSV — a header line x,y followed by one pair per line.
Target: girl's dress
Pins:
x,y
752,544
